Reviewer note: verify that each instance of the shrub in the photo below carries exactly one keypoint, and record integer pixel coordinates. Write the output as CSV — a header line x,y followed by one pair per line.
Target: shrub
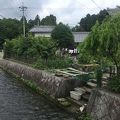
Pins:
x,y
63,37
84,58
39,50
114,84
99,74
29,47
56,63
85,117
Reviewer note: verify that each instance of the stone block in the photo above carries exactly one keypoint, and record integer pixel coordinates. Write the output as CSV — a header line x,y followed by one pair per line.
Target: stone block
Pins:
x,y
92,85
75,95
80,90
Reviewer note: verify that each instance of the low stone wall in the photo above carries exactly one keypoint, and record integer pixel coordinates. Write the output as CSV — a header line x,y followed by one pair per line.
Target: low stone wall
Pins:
x,y
51,84
104,105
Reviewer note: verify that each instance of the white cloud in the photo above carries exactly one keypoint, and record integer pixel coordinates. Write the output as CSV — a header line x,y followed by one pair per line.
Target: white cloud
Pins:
x,y
67,11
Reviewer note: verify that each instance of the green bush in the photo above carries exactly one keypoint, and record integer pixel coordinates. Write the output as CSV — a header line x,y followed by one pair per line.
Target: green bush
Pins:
x,y
84,58
29,47
99,74
114,84
85,117
56,63
37,50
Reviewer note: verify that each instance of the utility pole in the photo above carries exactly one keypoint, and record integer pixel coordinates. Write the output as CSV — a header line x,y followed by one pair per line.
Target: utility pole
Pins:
x,y
23,9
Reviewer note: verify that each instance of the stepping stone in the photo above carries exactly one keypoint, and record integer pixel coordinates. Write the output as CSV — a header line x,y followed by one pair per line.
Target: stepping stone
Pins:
x,y
75,95
85,97
88,90
61,99
78,71
90,84
93,80
104,82
80,90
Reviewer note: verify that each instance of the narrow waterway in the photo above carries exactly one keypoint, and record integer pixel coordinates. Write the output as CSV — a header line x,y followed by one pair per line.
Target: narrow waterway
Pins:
x,y
19,103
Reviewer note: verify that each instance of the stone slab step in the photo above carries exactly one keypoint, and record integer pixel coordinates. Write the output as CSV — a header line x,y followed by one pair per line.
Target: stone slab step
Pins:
x,y
85,97
104,82
92,85
88,90
78,71
66,73
80,90
80,102
93,80
75,95
105,78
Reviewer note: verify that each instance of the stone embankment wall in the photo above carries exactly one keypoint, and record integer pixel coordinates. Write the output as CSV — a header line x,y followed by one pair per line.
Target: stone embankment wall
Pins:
x,y
104,105
49,83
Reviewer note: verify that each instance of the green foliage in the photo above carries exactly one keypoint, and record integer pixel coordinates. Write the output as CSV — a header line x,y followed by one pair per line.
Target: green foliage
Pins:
x,y
99,75
9,28
63,36
49,20
56,63
85,77
37,20
30,48
84,57
114,84
89,21
39,50
85,117
104,41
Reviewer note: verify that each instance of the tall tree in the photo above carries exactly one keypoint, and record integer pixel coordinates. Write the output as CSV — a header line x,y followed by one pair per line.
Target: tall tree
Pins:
x,y
30,23
63,36
89,21
9,28
37,20
104,41
49,20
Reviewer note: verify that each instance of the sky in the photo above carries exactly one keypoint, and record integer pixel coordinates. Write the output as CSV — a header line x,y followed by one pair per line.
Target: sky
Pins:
x,y
67,11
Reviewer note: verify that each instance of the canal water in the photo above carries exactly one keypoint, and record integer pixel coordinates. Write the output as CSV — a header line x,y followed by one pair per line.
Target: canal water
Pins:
x,y
19,103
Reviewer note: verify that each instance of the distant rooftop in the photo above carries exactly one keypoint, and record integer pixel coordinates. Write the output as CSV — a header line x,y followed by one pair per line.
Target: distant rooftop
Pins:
x,y
42,29
80,36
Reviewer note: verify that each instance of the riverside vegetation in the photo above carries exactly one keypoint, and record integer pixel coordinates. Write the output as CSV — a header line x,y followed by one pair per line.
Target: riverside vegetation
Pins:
x,y
40,52
103,47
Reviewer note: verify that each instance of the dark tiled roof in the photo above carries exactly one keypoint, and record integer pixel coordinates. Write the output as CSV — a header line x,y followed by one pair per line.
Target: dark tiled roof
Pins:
x,y
42,29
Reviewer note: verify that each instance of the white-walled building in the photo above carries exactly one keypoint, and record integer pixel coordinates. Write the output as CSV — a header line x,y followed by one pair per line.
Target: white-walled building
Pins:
x,y
45,31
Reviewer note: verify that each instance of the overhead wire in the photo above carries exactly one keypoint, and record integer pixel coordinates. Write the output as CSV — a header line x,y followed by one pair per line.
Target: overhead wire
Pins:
x,y
96,4
30,9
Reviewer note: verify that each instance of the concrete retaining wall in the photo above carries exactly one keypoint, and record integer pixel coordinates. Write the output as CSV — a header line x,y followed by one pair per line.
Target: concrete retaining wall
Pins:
x,y
104,105
54,86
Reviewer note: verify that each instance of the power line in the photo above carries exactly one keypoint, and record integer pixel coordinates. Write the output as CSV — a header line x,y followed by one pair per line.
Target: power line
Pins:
x,y
96,4
23,9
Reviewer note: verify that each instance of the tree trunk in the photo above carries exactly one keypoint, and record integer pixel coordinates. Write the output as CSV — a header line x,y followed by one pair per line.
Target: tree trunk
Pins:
x,y
118,70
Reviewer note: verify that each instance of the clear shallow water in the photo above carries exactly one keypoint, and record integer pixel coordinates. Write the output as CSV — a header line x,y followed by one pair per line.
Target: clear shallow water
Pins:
x,y
19,103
